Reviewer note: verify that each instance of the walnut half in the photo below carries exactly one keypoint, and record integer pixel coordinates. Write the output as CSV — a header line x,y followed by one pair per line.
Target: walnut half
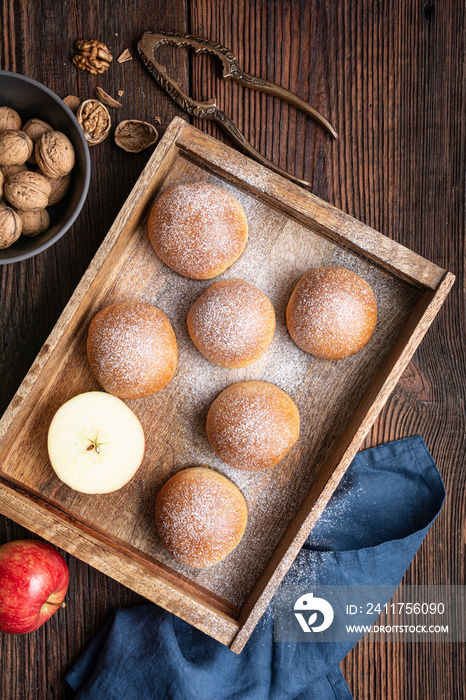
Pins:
x,y
92,55
94,119
134,136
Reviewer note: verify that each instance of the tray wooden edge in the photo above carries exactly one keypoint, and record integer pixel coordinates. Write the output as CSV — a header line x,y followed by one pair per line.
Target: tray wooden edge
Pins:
x,y
420,272
127,211
95,552
309,209
345,450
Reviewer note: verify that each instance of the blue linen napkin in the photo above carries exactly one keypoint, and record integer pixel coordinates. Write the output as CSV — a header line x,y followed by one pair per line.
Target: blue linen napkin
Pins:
x,y
368,534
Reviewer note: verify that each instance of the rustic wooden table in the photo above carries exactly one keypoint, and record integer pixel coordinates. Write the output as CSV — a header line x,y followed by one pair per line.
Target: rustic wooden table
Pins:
x,y
390,78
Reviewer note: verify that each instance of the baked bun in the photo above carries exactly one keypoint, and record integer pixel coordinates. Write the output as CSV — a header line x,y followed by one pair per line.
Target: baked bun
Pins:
x,y
198,229
232,323
201,516
332,313
252,425
132,349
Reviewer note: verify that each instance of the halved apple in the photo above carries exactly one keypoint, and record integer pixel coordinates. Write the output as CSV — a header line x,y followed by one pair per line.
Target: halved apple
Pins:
x,y
95,443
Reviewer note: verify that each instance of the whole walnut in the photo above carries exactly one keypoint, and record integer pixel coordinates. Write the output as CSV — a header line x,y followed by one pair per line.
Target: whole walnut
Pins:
x,y
34,222
10,227
9,119
9,170
15,147
34,128
54,154
27,191
60,187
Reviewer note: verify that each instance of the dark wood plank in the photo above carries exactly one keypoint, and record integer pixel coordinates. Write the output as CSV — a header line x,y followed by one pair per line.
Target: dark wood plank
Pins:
x,y
399,166
390,78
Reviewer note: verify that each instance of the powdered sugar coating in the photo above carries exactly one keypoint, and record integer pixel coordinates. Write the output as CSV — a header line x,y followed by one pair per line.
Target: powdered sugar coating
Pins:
x,y
201,516
198,229
132,349
252,425
332,313
280,251
232,323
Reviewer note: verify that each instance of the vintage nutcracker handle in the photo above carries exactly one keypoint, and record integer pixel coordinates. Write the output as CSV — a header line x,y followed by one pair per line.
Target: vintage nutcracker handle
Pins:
x,y
209,110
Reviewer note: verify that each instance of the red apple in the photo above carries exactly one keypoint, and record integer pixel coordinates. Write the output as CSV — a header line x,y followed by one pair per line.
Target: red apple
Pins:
x,y
34,579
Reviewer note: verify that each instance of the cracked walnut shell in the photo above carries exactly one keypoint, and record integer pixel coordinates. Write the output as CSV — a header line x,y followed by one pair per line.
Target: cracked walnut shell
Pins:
x,y
92,55
15,147
94,119
10,227
107,99
27,191
54,154
134,136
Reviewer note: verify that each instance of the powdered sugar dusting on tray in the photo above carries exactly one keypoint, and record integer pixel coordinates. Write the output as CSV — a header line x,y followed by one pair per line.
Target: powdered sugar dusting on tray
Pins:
x,y
279,251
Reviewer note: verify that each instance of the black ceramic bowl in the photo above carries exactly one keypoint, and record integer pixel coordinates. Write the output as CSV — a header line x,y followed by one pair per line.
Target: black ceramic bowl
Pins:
x,y
31,99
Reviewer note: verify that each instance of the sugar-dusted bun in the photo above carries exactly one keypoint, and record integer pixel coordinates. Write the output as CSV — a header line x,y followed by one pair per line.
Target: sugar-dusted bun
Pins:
x,y
252,425
198,229
132,349
332,313
201,516
232,323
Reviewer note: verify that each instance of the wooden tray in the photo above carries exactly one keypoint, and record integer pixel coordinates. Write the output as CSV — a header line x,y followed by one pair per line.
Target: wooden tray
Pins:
x,y
290,232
